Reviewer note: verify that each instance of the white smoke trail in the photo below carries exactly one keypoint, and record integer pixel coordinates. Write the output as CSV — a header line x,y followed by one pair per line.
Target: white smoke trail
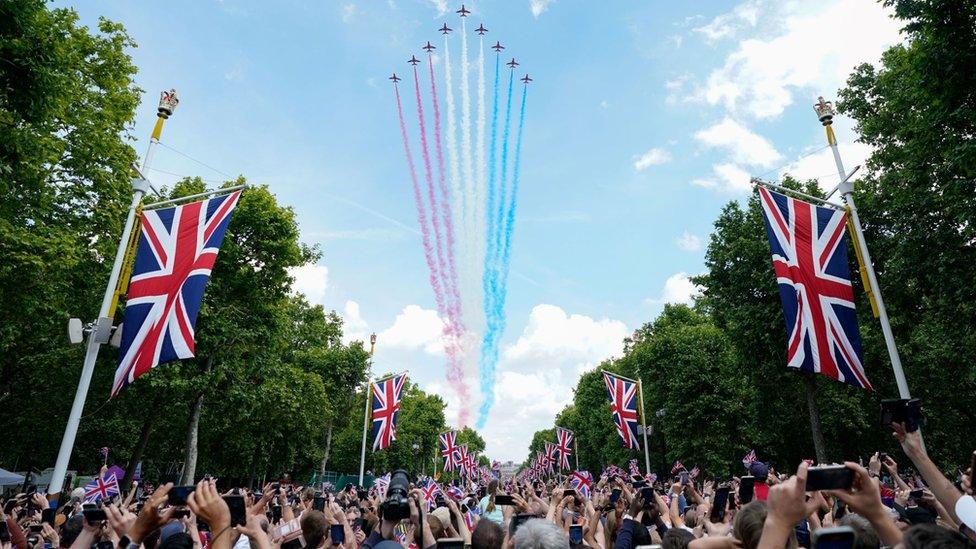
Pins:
x,y
454,173
481,182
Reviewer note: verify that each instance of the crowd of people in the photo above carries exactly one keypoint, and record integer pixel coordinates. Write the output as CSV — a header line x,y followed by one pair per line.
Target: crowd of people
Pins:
x,y
880,505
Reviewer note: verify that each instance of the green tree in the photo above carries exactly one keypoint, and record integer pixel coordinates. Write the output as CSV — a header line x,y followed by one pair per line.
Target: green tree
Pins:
x,y
917,202
67,100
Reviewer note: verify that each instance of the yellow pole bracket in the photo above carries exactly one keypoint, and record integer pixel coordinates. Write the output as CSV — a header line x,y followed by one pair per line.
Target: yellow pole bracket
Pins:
x,y
860,263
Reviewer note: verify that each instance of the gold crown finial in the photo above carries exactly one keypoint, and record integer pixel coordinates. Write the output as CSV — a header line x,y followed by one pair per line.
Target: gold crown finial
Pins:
x,y
167,103
825,111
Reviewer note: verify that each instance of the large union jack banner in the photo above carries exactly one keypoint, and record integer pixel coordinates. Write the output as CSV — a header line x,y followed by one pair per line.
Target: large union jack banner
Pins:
x,y
623,406
810,261
176,252
386,407
564,446
448,444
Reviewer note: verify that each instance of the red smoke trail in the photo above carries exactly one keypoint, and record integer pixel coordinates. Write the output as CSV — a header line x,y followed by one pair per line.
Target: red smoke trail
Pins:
x,y
429,177
445,199
455,374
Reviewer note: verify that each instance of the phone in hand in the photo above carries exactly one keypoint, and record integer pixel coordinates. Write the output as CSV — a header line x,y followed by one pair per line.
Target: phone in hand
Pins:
x,y
719,504
683,476
318,503
94,515
236,505
916,494
35,528
48,515
576,534
647,495
177,495
337,533
747,486
829,477
614,496
450,543
838,537
4,532
902,410
275,514
504,499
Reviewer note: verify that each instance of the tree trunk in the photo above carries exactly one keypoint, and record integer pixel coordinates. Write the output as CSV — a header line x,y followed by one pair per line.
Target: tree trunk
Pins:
x,y
147,425
328,450
190,455
192,431
819,446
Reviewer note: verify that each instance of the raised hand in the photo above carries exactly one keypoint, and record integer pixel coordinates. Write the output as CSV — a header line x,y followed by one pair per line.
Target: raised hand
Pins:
x,y
120,519
150,518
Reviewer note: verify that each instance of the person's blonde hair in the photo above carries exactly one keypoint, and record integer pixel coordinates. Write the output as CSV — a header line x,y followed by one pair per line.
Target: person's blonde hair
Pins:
x,y
492,488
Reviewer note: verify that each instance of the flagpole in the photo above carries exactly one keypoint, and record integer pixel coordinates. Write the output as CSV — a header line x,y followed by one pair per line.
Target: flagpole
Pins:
x,y
647,456
369,387
576,451
101,330
825,111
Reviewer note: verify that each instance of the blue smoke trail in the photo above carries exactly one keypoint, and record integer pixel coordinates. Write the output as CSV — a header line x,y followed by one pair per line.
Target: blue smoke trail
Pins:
x,y
494,301
486,277
512,203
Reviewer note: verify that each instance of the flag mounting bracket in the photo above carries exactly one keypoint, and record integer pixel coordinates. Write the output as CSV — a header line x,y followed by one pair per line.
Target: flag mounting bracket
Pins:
x,y
818,200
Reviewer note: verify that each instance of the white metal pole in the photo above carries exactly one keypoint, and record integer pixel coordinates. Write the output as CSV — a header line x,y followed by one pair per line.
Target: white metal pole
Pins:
x,y
647,455
96,337
362,452
846,187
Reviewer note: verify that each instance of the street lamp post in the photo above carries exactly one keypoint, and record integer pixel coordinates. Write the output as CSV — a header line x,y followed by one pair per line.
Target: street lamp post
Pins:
x,y
416,447
660,413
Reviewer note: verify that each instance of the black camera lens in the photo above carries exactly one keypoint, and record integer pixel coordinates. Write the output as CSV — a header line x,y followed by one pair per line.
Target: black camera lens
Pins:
x,y
396,506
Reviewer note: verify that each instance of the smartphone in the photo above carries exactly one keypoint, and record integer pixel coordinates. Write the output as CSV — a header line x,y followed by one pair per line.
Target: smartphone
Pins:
x,y
829,477
838,537
747,485
181,513
647,495
35,528
337,533
94,515
318,503
900,410
718,505
576,534
916,494
275,514
236,505
504,499
638,483
683,475
177,495
47,515
450,543
4,532
518,520
614,496
108,544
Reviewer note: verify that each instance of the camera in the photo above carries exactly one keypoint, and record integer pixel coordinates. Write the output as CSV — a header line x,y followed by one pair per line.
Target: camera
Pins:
x,y
396,506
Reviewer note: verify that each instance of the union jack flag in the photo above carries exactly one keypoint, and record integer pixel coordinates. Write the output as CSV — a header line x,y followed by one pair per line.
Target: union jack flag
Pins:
x,y
431,491
386,407
564,446
551,457
634,468
454,493
448,444
695,471
381,484
623,406
176,252
99,488
677,467
462,460
749,458
810,261
581,482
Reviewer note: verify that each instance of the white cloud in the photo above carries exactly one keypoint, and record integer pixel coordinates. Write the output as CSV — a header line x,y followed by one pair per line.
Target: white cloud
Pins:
x,y
727,25
537,373
744,146
439,5
688,242
762,75
354,327
678,288
311,280
348,13
652,157
415,328
604,104
539,6
729,178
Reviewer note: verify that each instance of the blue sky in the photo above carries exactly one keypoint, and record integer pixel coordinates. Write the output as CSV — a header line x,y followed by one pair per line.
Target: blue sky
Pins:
x,y
644,119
